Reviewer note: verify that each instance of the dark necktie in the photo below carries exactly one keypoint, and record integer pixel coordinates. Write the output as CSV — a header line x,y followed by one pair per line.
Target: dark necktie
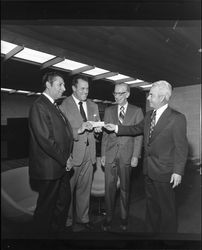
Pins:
x,y
57,107
153,120
83,114
121,114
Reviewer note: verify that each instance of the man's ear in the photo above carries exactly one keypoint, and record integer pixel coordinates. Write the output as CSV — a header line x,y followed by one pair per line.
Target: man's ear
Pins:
x,y
48,85
162,98
127,95
73,88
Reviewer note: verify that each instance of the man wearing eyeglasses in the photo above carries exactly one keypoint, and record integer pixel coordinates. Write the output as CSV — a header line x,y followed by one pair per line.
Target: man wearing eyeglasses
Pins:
x,y
119,154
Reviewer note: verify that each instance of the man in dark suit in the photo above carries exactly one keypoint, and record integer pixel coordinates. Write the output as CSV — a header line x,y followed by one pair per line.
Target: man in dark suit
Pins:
x,y
79,110
166,149
120,154
51,142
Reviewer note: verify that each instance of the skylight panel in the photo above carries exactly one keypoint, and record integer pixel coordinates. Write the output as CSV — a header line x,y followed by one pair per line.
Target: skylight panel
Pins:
x,y
69,65
117,77
6,47
34,55
95,71
134,81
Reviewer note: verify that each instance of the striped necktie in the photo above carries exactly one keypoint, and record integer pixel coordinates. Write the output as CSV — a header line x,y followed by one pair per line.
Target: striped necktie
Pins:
x,y
153,121
121,114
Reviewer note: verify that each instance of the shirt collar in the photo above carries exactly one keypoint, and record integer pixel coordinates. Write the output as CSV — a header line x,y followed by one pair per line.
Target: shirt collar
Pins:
x,y
161,109
77,100
125,106
49,97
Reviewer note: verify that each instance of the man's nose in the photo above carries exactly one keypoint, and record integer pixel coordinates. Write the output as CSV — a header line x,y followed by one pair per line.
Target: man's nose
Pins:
x,y
63,88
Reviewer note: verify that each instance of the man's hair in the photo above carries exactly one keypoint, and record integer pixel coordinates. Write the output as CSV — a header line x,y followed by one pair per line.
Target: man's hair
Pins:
x,y
49,77
164,88
78,77
124,84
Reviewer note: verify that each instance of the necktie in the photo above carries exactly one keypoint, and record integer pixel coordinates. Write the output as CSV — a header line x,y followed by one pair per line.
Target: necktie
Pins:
x,y
121,114
83,114
153,119
57,107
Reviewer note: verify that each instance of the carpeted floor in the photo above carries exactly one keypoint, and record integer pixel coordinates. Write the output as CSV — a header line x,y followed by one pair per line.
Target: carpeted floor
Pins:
x,y
188,197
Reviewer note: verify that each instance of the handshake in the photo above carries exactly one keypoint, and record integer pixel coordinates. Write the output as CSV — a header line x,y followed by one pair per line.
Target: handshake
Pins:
x,y
89,125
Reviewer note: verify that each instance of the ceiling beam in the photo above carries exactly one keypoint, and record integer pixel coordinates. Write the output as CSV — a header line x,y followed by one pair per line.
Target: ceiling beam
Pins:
x,y
80,70
13,52
105,75
52,62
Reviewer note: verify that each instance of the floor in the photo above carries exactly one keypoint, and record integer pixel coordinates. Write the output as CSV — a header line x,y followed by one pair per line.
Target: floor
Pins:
x,y
188,197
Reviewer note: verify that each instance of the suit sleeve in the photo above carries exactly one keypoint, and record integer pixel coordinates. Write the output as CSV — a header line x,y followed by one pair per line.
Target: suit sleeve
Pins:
x,y
181,144
41,125
131,130
138,139
105,133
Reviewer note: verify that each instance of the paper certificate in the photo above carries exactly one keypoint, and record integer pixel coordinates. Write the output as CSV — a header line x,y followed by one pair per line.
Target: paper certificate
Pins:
x,y
97,124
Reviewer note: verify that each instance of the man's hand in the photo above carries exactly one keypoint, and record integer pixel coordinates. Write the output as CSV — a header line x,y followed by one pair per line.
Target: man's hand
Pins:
x,y
110,126
85,126
69,164
175,179
98,129
134,162
103,158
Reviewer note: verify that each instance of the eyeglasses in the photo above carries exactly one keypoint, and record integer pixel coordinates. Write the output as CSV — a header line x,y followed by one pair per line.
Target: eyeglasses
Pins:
x,y
119,93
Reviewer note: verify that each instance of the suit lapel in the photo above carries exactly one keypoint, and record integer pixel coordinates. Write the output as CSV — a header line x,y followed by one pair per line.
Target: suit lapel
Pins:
x,y
128,114
115,114
161,124
90,114
75,111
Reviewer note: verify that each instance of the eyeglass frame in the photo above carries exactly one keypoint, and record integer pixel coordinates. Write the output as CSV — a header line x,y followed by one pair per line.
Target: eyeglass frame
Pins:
x,y
119,93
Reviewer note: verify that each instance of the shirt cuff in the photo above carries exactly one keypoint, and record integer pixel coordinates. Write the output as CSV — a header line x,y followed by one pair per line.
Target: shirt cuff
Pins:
x,y
116,129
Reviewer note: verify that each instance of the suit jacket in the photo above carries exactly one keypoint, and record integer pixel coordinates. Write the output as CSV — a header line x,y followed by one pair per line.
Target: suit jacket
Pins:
x,y
71,111
51,140
128,146
168,148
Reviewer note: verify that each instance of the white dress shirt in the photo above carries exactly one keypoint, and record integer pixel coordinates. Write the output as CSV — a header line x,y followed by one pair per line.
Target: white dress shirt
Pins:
x,y
84,105
159,112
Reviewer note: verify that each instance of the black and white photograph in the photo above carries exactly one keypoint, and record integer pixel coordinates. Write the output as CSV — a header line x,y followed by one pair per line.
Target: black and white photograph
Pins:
x,y
101,125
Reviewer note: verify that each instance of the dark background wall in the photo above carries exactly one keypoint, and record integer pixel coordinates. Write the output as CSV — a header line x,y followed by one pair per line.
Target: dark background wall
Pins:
x,y
15,111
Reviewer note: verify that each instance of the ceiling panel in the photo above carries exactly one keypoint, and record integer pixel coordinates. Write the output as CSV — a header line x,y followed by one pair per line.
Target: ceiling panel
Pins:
x,y
169,51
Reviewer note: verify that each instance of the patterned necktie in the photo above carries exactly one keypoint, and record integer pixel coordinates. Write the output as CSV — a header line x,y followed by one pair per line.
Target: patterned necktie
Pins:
x,y
153,120
83,114
121,114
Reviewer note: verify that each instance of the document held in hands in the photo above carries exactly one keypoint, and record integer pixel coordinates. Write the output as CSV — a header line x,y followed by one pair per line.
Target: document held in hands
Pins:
x,y
97,124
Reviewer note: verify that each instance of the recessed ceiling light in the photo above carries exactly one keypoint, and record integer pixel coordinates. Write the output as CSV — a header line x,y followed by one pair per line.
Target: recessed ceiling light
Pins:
x,y
34,55
69,65
6,47
95,71
134,81
117,77
146,86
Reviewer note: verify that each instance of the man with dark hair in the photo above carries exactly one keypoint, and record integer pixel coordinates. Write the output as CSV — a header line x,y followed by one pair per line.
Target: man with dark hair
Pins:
x,y
79,110
51,142
120,154
165,155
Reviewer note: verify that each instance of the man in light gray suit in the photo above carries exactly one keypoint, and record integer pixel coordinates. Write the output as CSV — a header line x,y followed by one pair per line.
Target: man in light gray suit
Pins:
x,y
79,110
119,154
